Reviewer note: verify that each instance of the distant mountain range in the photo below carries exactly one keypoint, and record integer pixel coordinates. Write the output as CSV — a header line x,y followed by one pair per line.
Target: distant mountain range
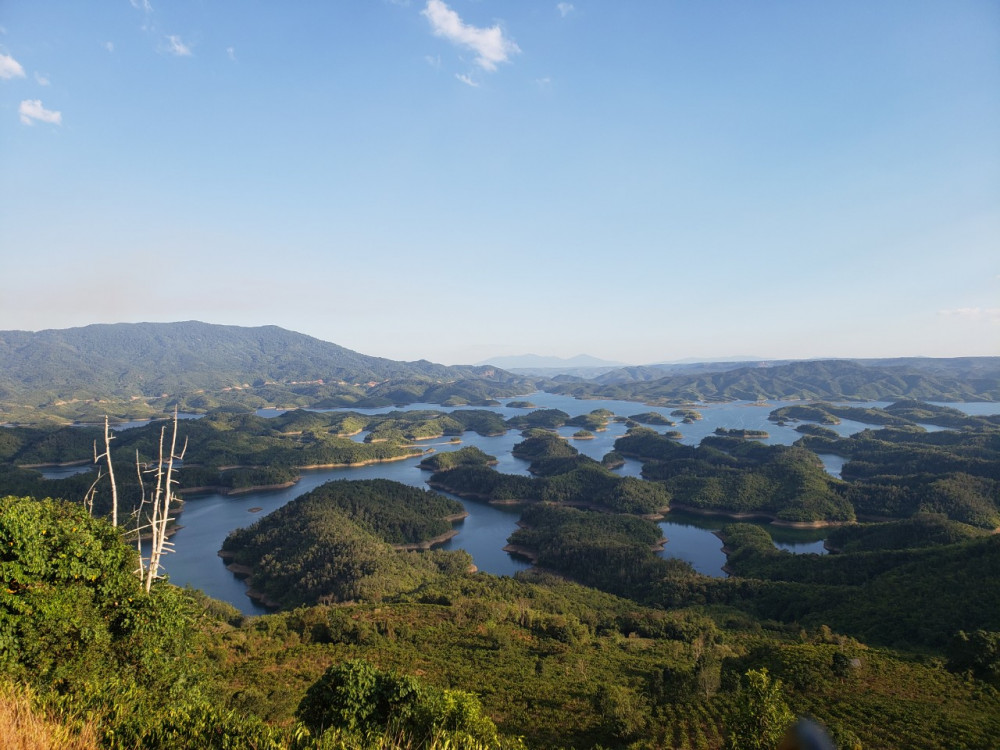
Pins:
x,y
535,361
152,360
924,378
644,373
144,369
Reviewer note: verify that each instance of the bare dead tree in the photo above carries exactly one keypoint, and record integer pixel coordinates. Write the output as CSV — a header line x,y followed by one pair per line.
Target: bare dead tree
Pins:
x,y
158,518
108,437
161,499
88,497
156,522
138,513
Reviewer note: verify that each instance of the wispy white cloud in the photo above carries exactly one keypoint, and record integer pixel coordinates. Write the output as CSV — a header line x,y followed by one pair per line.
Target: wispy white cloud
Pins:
x,y
467,80
9,67
543,83
32,109
41,80
109,46
176,46
976,314
565,9
231,52
146,7
489,44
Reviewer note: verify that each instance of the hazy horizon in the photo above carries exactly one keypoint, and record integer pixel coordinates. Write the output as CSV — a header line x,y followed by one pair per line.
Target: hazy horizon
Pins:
x,y
556,361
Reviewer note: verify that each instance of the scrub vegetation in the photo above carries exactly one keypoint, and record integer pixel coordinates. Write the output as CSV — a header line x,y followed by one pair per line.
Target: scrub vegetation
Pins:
x,y
378,640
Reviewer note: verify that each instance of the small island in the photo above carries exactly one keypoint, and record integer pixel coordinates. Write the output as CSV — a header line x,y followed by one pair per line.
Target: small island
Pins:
x,y
468,456
596,421
816,431
561,475
687,415
742,434
653,418
613,460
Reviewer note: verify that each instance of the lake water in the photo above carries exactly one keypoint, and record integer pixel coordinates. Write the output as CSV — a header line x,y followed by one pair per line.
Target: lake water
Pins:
x,y
61,472
833,463
128,425
207,519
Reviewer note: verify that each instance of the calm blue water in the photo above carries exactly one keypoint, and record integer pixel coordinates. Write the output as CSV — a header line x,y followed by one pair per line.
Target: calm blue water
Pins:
x,y
137,422
833,463
692,538
61,472
973,408
206,520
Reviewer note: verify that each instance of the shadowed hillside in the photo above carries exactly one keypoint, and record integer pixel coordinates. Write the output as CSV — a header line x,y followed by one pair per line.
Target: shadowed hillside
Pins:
x,y
960,379
147,361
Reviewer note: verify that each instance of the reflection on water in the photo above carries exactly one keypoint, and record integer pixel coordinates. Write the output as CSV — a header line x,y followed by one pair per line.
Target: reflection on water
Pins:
x,y
833,463
208,519
691,537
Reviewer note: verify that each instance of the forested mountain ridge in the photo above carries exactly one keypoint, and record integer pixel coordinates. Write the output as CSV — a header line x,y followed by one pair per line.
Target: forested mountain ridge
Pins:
x,y
143,370
142,361
960,379
150,358
960,367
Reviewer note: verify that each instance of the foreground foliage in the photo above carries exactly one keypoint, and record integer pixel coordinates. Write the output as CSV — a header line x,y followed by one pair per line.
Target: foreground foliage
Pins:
x,y
558,663
24,725
362,703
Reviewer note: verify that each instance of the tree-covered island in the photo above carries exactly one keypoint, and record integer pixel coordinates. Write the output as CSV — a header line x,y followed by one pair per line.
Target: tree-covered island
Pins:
x,y
347,541
606,642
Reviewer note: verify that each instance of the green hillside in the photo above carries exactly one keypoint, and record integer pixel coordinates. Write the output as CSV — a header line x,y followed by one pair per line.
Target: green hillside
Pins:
x,y
968,379
141,369
459,660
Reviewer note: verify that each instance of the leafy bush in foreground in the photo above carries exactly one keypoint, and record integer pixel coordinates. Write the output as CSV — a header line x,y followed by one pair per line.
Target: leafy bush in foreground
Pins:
x,y
364,703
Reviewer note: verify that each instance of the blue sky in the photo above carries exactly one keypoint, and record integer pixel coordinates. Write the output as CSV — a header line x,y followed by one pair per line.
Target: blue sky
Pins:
x,y
640,181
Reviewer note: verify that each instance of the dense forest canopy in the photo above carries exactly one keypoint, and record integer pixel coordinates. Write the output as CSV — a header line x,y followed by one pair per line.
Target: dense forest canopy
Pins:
x,y
380,640
967,379
336,544
141,370
558,664
145,369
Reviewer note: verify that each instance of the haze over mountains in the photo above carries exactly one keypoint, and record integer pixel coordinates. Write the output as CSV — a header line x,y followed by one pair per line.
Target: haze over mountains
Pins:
x,y
142,370
522,361
139,370
582,365
517,362
956,379
154,358
749,378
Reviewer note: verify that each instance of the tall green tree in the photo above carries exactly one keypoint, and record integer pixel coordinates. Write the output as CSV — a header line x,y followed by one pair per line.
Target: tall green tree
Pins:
x,y
761,716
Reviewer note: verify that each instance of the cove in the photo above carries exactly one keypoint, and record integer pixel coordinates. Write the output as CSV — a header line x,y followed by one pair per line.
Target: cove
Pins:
x,y
207,519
